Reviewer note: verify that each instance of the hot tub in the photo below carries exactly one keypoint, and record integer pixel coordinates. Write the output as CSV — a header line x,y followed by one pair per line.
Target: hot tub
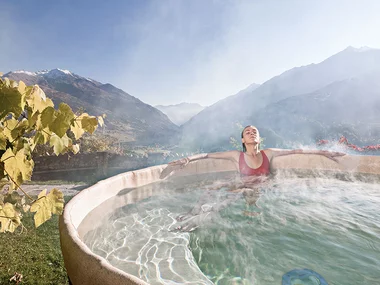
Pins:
x,y
87,210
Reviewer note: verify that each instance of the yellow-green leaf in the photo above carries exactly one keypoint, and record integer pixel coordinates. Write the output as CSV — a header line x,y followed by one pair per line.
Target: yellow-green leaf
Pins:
x,y
46,205
77,129
58,144
11,101
32,119
9,126
19,130
36,99
9,218
46,134
3,139
14,84
21,87
47,116
89,124
7,82
17,166
66,141
62,122
75,148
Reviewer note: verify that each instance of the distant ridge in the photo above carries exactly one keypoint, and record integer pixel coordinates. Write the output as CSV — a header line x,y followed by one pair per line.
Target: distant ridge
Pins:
x,y
128,119
180,113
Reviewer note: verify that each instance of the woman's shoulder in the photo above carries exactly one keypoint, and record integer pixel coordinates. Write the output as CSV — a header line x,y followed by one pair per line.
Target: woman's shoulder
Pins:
x,y
235,154
269,152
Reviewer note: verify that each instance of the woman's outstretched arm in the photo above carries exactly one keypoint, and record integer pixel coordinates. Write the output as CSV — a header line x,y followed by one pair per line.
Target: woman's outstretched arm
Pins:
x,y
232,155
275,152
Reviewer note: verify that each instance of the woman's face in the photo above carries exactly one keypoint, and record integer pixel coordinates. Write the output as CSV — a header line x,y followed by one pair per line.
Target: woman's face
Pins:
x,y
251,135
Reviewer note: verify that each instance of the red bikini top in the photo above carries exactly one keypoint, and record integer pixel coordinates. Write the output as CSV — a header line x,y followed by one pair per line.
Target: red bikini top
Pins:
x,y
245,170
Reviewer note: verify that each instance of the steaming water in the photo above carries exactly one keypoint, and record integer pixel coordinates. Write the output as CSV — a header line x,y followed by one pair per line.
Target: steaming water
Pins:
x,y
329,226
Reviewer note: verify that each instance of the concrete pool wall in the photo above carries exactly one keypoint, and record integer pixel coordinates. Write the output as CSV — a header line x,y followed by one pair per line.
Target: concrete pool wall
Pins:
x,y
80,215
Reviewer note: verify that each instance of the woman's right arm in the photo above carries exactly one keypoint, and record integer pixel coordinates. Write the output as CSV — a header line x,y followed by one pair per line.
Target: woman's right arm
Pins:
x,y
229,155
232,155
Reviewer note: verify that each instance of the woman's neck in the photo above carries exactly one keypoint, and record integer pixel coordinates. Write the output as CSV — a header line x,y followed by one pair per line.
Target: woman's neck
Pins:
x,y
252,150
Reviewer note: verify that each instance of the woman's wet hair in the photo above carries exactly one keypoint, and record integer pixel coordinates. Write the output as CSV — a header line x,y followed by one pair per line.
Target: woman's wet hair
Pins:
x,y
242,133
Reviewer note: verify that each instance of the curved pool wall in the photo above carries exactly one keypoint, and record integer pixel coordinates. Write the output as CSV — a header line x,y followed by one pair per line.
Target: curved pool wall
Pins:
x,y
84,267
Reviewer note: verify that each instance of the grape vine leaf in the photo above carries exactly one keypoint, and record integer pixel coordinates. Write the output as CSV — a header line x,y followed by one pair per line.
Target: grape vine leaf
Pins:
x,y
64,116
76,128
17,166
85,123
47,116
11,101
57,144
36,98
89,123
46,205
9,125
9,218
3,139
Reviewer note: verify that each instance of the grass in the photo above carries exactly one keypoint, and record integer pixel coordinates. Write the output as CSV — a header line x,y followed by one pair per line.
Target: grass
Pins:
x,y
36,254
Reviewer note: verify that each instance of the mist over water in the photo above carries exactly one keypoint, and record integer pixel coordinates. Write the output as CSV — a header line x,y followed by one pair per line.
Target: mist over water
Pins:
x,y
329,226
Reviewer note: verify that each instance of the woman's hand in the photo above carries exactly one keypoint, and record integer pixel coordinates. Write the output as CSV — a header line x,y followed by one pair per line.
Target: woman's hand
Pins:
x,y
180,162
174,165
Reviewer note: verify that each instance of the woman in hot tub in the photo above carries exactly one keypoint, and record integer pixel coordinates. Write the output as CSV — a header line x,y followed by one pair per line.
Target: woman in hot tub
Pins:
x,y
254,168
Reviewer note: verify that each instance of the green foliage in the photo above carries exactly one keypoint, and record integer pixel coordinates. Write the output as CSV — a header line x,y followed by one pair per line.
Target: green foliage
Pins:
x,y
28,119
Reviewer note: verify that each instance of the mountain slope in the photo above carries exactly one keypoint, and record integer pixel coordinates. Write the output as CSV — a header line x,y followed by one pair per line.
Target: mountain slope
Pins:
x,y
214,125
350,107
128,118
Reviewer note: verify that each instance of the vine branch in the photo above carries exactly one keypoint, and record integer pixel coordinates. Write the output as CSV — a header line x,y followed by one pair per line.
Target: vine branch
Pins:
x,y
18,186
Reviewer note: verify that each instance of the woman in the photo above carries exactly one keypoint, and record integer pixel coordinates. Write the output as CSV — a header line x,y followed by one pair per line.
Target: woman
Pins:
x,y
252,162
254,168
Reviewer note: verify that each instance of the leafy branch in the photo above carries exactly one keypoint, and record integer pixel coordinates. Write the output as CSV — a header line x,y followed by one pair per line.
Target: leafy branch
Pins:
x,y
27,119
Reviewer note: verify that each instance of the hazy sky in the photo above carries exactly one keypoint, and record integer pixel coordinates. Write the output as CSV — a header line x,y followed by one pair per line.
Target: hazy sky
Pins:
x,y
171,51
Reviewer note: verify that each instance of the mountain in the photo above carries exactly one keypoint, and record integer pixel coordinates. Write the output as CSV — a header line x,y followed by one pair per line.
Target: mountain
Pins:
x,y
127,118
212,127
180,113
349,107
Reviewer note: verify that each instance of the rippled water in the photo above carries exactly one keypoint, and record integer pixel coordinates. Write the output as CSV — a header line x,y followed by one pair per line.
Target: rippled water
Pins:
x,y
329,226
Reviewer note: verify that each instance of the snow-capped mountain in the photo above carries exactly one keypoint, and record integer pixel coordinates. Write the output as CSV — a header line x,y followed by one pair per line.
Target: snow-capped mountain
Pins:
x,y
128,118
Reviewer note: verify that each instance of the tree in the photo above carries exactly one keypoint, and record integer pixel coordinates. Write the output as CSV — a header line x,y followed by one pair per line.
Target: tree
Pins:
x,y
27,119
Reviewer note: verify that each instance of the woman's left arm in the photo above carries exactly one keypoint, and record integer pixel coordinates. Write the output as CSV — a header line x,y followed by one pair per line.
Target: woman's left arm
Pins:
x,y
274,152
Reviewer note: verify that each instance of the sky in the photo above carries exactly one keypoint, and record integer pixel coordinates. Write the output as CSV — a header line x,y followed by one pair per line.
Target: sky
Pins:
x,y
172,51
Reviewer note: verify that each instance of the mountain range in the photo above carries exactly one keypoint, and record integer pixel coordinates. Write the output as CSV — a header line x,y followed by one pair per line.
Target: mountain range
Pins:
x,y
338,96
127,118
324,100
